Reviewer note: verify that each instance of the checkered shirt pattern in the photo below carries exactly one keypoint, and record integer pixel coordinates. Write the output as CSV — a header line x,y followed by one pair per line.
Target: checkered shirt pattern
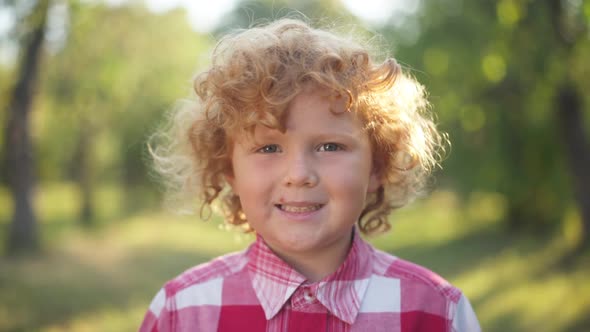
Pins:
x,y
254,290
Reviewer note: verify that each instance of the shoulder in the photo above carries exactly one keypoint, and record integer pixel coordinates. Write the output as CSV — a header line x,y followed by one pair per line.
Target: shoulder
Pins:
x,y
415,281
420,296
206,277
194,290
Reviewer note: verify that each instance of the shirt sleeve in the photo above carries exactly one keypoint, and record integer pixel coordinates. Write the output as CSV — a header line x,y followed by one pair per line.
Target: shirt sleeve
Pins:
x,y
465,319
157,318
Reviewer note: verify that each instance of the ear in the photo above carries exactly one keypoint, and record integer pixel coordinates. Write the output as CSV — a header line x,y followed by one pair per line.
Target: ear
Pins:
x,y
374,181
230,179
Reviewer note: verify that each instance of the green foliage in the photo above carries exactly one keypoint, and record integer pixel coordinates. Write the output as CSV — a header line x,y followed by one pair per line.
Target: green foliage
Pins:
x,y
119,71
104,280
253,12
492,69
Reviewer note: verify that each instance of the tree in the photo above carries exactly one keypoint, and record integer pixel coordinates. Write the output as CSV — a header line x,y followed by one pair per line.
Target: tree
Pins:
x,y
19,152
501,76
120,68
568,31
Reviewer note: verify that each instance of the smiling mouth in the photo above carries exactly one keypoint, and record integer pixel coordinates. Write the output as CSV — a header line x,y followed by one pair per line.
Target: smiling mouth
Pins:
x,y
299,209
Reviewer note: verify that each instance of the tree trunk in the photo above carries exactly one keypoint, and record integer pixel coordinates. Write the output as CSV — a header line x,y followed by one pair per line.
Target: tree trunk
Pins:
x,y
23,234
568,111
84,165
570,121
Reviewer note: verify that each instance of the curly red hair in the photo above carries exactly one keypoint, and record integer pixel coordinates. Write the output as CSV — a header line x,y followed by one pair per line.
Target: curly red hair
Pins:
x,y
256,73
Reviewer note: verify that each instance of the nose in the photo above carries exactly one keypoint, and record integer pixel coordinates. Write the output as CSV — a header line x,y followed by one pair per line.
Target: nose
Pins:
x,y
301,171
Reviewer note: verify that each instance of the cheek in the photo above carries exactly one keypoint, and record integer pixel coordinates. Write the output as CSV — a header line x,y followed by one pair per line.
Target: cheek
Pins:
x,y
348,179
252,179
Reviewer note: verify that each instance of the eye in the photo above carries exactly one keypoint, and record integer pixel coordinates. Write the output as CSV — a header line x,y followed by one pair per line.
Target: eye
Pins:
x,y
330,147
270,148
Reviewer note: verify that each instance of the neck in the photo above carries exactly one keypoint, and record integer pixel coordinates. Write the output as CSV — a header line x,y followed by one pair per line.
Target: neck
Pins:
x,y
316,265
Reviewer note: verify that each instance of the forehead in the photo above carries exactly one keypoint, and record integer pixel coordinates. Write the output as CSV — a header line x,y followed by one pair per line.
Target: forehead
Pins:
x,y
314,111
321,110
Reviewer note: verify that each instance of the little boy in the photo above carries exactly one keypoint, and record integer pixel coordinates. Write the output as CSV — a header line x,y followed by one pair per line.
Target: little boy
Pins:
x,y
305,140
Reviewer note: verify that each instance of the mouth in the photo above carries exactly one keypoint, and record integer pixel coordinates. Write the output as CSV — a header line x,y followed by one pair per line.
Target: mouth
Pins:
x,y
299,208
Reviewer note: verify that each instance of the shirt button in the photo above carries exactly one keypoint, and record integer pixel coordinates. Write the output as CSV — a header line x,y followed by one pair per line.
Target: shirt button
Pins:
x,y
308,295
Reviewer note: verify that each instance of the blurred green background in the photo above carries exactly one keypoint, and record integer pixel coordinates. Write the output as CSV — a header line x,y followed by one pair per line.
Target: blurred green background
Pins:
x,y
85,242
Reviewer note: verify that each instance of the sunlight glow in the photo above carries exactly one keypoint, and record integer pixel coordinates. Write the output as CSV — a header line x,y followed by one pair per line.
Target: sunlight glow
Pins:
x,y
381,11
204,17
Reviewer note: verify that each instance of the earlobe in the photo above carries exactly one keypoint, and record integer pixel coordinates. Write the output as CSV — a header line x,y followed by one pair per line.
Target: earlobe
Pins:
x,y
374,182
230,180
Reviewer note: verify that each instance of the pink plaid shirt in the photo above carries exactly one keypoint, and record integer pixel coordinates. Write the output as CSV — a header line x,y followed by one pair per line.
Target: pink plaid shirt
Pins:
x,y
254,290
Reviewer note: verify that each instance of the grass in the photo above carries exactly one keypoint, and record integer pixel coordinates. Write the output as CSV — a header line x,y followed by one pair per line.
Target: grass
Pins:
x,y
104,279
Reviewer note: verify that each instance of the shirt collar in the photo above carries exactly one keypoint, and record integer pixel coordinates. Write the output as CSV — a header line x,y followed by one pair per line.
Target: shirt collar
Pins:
x,y
274,281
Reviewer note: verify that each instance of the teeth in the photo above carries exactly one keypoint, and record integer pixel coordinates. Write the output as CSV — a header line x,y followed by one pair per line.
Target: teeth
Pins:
x,y
300,209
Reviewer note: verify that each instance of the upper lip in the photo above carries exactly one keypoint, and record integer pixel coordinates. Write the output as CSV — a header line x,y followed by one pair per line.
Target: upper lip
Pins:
x,y
298,203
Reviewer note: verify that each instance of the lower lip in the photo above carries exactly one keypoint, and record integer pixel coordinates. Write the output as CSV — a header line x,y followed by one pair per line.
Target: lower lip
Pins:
x,y
300,215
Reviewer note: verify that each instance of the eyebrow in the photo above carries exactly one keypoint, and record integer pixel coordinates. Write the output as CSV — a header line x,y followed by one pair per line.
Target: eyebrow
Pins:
x,y
328,136
322,136
274,134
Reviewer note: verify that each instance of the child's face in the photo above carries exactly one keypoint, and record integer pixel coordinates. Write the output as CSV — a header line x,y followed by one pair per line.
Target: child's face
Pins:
x,y
303,190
